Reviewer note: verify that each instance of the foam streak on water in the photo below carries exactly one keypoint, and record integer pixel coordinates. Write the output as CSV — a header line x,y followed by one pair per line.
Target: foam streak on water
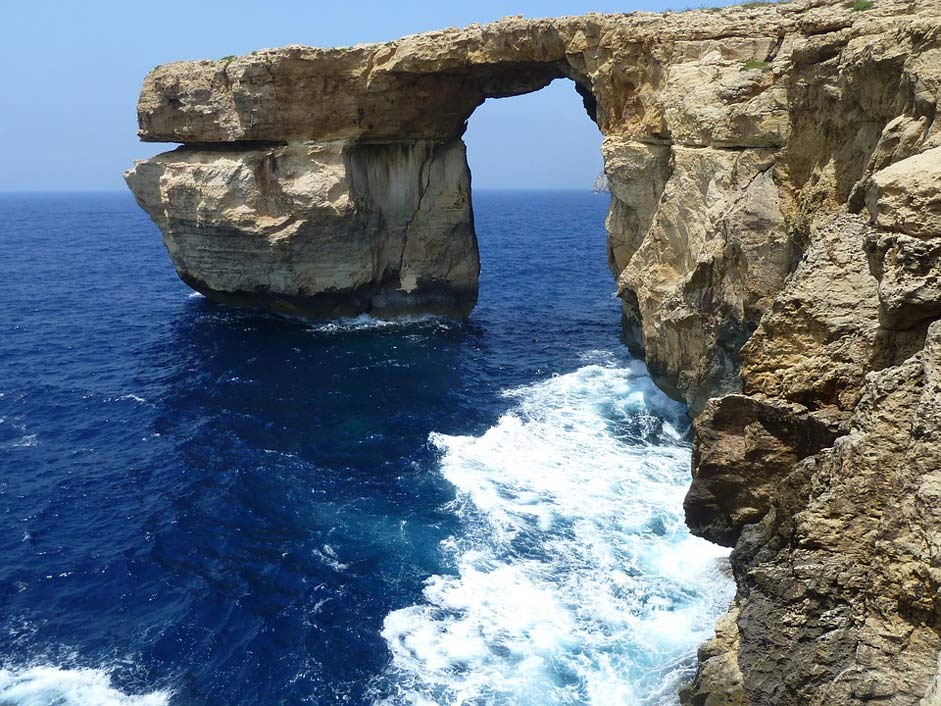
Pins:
x,y
51,686
575,579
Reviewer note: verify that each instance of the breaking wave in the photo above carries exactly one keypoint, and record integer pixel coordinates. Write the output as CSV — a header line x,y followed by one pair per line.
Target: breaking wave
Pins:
x,y
575,579
51,686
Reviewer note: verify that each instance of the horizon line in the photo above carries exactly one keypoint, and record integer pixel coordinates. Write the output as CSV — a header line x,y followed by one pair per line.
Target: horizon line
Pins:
x,y
49,192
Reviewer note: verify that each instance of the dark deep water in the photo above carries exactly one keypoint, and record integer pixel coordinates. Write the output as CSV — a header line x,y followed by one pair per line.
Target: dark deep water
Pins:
x,y
209,507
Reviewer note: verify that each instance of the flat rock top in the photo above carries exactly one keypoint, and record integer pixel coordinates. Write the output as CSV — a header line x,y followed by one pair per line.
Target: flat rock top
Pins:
x,y
376,90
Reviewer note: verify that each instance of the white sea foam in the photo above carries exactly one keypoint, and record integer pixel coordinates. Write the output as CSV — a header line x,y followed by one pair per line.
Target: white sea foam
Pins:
x,y
365,322
576,580
51,686
27,441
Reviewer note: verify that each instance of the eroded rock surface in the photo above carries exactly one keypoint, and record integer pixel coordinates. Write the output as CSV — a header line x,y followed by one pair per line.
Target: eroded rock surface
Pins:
x,y
319,228
775,235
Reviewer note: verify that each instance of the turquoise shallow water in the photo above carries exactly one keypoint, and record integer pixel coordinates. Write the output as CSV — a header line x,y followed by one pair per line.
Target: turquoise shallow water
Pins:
x,y
206,506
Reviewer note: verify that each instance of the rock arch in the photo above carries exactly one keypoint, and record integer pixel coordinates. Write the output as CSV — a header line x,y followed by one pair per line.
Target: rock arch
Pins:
x,y
327,182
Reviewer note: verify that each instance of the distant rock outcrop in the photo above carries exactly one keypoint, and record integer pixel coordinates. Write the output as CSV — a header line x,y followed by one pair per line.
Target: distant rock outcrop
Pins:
x,y
775,233
601,184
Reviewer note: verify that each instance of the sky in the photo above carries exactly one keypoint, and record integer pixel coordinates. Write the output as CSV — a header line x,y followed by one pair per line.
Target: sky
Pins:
x,y
73,71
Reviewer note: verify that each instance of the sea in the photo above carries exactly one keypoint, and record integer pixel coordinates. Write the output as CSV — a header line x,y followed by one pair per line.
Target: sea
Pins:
x,y
202,506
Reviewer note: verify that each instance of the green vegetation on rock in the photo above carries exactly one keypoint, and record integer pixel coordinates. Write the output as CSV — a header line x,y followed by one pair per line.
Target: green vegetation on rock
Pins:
x,y
756,64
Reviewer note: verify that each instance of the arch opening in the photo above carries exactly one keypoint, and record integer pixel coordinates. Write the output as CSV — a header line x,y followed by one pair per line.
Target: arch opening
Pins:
x,y
534,160
538,140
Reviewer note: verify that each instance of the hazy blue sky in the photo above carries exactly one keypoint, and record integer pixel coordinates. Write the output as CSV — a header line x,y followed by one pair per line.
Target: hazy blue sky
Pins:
x,y
72,72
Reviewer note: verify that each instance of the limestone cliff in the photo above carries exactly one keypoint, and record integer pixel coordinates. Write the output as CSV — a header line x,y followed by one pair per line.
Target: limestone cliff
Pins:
x,y
775,233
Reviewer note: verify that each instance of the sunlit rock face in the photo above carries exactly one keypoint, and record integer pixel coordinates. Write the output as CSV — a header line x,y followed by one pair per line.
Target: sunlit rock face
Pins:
x,y
774,232
321,229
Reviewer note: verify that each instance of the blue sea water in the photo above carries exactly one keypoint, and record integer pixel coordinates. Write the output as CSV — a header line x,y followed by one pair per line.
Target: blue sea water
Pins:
x,y
206,507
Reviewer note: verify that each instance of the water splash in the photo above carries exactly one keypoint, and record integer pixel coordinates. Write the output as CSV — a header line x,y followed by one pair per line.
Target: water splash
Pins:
x,y
575,580
51,686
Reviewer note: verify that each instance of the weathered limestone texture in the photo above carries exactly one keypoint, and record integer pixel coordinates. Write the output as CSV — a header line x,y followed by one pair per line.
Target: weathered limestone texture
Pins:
x,y
319,228
775,234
